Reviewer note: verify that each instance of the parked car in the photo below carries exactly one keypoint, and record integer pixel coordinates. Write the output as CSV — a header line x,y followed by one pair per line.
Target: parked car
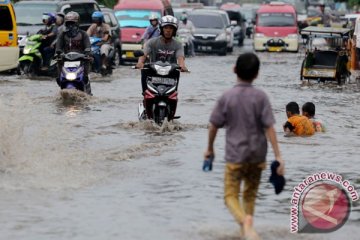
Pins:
x,y
28,14
211,32
237,21
9,50
109,17
225,18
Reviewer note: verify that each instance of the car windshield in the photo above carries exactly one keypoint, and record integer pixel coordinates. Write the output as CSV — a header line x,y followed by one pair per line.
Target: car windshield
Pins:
x,y
31,14
134,18
276,20
207,21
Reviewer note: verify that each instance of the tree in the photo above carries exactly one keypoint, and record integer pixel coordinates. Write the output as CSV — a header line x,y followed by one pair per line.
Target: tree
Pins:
x,y
108,3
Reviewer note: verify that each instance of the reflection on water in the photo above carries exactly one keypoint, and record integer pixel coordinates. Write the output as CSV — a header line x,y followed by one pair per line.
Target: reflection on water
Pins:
x,y
80,167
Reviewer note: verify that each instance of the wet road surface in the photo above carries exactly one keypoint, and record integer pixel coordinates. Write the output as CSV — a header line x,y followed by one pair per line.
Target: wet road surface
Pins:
x,y
89,170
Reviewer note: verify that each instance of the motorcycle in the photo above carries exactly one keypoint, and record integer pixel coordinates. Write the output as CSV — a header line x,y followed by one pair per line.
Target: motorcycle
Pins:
x,y
95,50
185,37
72,72
160,96
31,61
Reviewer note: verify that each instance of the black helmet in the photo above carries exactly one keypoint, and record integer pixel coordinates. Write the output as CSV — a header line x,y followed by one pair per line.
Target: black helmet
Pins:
x,y
168,20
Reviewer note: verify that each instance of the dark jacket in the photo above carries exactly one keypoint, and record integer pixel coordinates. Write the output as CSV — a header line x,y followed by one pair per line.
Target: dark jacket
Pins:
x,y
80,43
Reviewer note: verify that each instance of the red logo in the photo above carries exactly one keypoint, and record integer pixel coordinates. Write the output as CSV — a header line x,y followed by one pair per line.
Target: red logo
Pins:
x,y
325,208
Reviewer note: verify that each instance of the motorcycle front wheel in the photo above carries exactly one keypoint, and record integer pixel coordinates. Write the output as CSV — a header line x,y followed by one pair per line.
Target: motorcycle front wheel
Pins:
x,y
160,116
25,68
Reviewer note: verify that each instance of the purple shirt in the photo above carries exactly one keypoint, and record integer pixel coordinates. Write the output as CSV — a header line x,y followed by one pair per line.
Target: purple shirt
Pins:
x,y
245,111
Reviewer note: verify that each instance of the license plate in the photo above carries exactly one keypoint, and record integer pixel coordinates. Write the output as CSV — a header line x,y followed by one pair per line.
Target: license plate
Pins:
x,y
274,49
205,48
72,64
130,54
163,81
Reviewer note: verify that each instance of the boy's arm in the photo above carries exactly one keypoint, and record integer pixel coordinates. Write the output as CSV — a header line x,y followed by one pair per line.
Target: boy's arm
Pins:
x,y
271,135
212,135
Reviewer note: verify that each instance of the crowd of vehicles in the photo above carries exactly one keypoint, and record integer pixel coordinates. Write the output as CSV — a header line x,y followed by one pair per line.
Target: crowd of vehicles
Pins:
x,y
273,26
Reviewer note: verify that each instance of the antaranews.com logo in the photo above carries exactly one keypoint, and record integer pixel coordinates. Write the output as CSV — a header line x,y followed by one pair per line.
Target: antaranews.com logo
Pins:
x,y
321,203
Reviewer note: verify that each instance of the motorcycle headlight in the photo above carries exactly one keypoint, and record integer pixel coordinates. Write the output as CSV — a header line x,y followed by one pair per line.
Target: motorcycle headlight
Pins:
x,y
162,70
293,36
221,37
27,50
152,89
70,76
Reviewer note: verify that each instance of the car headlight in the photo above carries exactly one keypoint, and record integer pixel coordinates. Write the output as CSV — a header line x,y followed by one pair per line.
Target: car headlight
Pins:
x,y
70,76
293,36
26,50
221,37
259,35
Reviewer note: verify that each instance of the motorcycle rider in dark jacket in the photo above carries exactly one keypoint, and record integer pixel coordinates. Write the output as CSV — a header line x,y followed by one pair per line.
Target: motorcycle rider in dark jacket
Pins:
x,y
73,39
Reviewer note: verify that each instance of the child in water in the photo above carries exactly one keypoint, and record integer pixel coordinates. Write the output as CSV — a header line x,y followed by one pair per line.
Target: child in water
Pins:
x,y
297,124
308,110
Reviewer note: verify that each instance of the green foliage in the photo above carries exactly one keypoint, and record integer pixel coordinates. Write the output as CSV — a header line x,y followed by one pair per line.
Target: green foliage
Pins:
x,y
108,3
354,2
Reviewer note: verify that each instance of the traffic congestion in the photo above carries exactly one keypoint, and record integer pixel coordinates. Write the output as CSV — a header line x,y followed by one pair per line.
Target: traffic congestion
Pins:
x,y
157,119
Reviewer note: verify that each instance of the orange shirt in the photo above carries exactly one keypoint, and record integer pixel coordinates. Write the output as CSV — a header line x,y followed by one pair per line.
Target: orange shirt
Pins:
x,y
302,125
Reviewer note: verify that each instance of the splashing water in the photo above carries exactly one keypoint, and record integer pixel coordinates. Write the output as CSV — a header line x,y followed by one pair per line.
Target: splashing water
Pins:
x,y
41,155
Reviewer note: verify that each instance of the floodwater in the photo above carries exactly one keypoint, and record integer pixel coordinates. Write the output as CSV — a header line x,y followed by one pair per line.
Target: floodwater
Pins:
x,y
87,169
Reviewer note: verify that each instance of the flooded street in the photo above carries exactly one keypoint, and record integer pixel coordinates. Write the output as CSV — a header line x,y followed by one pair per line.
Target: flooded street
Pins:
x,y
90,170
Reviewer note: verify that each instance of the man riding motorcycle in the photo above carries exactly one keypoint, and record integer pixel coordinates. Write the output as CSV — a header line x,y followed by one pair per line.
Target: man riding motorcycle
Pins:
x,y
153,30
59,25
73,39
163,48
49,33
102,30
188,25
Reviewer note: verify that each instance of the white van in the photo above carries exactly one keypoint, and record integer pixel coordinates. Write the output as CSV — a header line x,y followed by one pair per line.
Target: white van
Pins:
x,y
9,49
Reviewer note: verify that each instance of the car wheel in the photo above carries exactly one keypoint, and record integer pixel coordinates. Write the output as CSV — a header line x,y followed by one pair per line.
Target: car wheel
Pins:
x,y
230,49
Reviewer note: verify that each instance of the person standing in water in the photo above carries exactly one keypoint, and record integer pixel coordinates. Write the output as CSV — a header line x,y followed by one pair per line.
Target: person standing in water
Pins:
x,y
246,113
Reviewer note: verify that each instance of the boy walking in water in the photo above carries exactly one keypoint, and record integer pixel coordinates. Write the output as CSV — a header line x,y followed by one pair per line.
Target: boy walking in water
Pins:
x,y
246,113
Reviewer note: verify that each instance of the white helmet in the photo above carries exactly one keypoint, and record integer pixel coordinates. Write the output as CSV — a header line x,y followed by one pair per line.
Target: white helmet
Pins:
x,y
168,20
153,16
